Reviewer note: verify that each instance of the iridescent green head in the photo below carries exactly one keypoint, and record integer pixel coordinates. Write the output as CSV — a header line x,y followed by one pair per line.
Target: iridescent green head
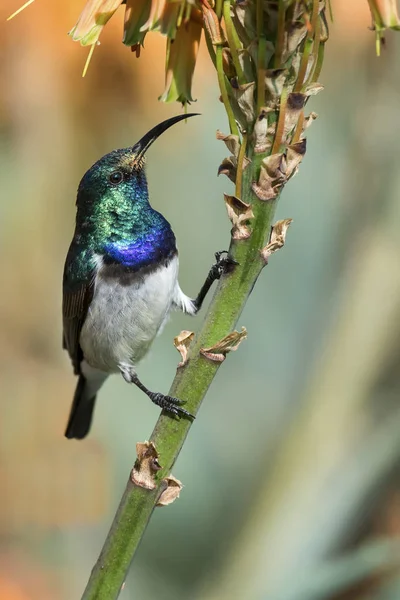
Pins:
x,y
114,217
121,172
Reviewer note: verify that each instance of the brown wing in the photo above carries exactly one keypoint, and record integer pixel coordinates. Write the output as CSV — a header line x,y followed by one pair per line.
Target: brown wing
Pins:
x,y
76,301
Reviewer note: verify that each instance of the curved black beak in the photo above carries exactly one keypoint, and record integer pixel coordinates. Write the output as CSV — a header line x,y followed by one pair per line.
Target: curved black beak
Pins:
x,y
144,144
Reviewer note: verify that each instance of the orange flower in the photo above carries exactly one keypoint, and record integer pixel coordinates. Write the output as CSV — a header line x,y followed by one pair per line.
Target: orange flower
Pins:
x,y
137,14
182,24
142,16
384,14
93,18
181,60
179,20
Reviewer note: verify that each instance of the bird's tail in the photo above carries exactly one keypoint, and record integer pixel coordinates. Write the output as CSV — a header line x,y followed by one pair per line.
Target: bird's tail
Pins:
x,y
80,417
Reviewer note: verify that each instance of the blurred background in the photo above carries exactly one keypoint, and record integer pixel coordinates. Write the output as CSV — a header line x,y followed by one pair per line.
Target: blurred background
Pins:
x,y
291,471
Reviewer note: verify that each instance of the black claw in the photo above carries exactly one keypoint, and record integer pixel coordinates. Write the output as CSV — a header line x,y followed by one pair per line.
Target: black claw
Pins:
x,y
171,405
223,265
219,254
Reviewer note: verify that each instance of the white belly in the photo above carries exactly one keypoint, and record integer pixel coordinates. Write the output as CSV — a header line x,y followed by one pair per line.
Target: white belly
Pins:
x,y
123,320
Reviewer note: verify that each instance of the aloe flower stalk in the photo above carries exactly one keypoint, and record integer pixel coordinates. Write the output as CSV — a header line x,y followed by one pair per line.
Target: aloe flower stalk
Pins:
x,y
268,57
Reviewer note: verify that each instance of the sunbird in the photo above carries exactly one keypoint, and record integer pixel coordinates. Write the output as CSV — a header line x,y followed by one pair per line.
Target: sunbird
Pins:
x,y
121,279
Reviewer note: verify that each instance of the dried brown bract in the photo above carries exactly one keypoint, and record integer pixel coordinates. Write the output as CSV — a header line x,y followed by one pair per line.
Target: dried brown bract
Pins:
x,y
182,342
172,491
239,214
229,165
229,343
277,238
146,465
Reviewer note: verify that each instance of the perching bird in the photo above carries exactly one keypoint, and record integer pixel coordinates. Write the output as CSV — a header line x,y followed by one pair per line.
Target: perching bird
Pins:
x,y
120,279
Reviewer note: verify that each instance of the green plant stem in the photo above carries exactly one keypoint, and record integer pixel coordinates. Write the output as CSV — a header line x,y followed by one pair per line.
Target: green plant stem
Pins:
x,y
320,60
281,122
233,41
191,383
315,51
280,34
240,161
261,56
210,47
224,93
309,45
303,64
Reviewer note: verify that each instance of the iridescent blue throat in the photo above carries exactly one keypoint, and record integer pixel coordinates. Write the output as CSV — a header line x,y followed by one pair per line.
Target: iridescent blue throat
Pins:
x,y
154,247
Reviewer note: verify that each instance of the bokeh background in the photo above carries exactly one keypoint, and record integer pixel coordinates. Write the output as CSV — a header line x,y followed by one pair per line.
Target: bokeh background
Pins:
x,y
291,471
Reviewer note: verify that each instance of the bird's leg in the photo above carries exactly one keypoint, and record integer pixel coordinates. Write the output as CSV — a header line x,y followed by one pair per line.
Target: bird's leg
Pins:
x,y
168,403
222,265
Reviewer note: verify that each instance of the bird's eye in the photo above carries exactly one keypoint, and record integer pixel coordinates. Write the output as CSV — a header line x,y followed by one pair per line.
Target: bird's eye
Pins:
x,y
116,177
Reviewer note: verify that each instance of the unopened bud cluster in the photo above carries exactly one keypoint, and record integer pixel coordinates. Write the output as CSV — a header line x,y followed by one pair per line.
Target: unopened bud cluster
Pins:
x,y
269,54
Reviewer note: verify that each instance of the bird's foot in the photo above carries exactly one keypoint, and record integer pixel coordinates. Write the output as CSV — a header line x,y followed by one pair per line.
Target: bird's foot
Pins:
x,y
223,264
170,404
